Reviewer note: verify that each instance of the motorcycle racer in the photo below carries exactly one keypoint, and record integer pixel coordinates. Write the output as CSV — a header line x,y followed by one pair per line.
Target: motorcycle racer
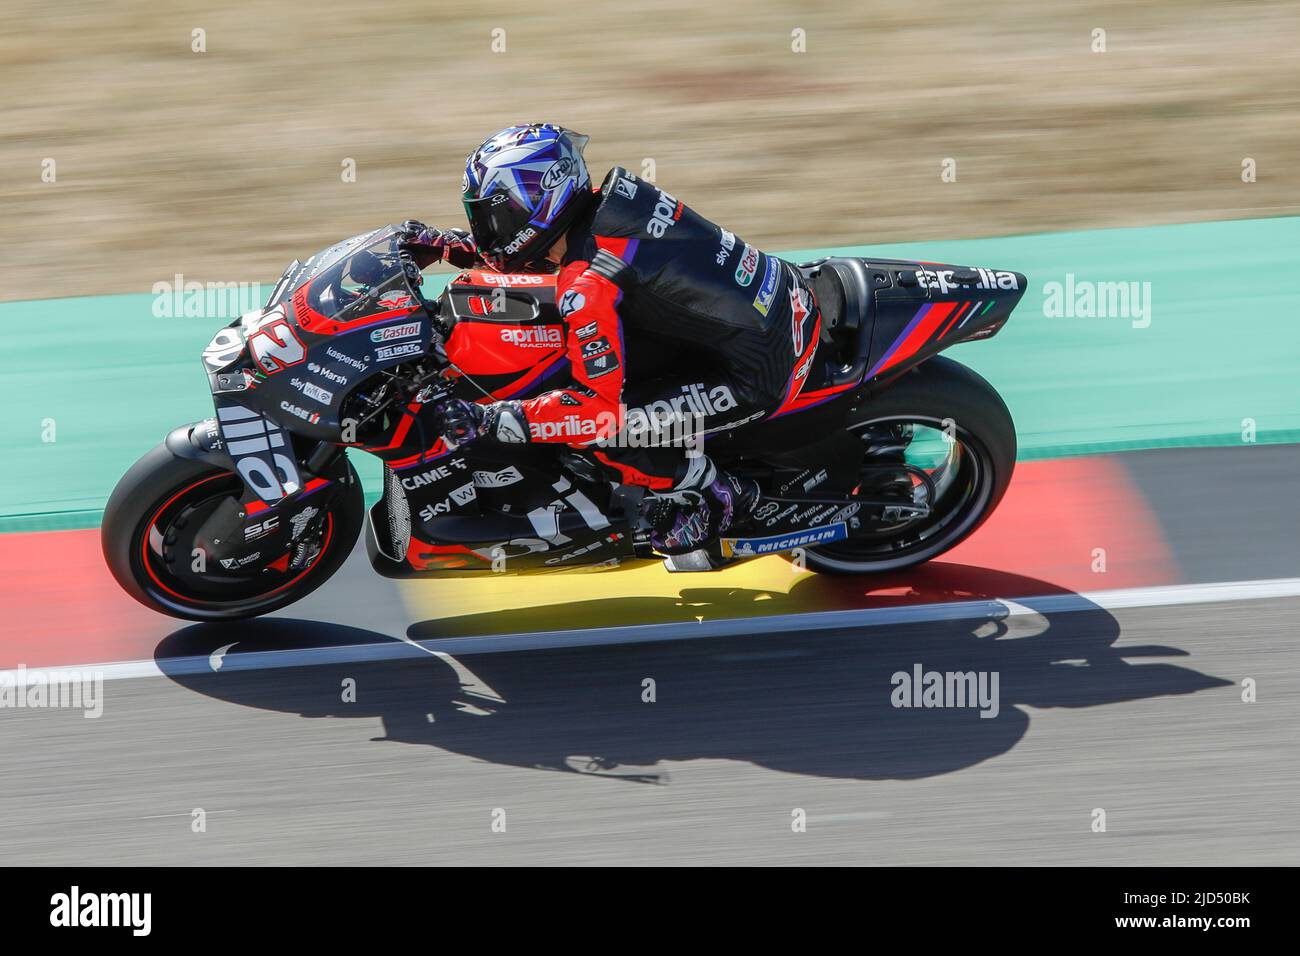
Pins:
x,y
674,325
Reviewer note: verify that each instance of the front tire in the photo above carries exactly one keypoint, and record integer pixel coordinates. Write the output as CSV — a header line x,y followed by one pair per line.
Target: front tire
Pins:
x,y
944,398
147,515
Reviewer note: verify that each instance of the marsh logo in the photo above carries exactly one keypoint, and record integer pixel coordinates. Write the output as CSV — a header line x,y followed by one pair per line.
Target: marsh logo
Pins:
x,y
77,909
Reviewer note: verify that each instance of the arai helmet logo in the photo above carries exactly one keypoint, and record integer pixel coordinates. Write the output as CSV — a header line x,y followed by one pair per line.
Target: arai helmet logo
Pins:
x,y
559,171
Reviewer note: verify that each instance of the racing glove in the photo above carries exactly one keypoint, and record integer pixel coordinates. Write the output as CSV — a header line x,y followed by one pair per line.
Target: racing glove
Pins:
x,y
453,246
459,421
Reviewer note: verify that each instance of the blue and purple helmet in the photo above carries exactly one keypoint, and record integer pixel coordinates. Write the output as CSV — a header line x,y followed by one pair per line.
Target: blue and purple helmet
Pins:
x,y
522,189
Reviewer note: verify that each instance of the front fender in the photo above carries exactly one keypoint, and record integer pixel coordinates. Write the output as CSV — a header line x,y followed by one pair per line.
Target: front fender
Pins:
x,y
199,441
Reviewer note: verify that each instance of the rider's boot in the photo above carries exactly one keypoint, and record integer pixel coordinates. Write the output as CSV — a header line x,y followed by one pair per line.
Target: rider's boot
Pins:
x,y
686,522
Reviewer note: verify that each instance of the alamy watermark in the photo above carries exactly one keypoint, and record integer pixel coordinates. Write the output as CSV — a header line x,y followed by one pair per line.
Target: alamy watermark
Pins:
x,y
205,300
73,689
949,689
1083,299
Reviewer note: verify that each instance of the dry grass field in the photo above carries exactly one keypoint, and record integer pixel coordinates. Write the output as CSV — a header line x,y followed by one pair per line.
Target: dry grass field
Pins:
x,y
224,164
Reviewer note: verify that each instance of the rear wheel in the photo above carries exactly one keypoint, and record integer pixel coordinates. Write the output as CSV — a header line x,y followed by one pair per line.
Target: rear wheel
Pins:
x,y
148,537
939,440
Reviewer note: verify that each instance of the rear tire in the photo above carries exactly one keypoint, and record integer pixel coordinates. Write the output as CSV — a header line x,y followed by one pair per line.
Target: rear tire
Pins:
x,y
936,392
159,483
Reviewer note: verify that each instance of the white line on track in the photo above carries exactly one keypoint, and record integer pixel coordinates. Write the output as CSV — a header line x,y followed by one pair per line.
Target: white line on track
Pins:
x,y
402,647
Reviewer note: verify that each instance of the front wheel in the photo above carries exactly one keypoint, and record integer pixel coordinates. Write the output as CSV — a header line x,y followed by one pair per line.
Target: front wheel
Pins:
x,y
148,537
939,440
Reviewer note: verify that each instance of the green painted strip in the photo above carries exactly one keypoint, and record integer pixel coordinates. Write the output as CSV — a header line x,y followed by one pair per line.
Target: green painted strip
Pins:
x,y
106,379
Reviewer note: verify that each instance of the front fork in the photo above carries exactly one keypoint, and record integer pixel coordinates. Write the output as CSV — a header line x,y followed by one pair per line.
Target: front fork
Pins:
x,y
246,530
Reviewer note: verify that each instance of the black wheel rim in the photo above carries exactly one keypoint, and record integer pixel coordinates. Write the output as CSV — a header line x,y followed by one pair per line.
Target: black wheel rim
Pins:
x,y
164,547
961,473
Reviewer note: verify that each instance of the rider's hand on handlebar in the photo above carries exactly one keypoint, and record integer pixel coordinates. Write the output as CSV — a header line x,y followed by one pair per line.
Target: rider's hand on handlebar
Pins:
x,y
430,245
459,421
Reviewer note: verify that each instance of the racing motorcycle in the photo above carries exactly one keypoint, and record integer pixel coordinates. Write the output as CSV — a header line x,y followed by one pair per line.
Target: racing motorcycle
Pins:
x,y
888,456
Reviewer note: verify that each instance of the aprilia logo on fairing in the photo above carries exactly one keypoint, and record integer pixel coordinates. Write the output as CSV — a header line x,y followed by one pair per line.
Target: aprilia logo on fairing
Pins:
x,y
493,278
667,211
534,337
987,279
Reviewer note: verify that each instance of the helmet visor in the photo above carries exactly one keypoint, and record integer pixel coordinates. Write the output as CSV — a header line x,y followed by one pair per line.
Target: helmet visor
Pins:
x,y
496,222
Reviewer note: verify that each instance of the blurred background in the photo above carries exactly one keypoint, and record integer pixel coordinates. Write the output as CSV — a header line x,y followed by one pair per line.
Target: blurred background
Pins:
x,y
794,124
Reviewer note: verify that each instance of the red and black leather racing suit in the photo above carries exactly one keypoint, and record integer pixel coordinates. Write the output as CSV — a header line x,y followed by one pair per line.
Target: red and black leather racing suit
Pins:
x,y
669,316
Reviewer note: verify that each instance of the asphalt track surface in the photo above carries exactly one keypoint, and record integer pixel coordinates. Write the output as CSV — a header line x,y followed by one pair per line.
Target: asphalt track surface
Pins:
x,y
1136,710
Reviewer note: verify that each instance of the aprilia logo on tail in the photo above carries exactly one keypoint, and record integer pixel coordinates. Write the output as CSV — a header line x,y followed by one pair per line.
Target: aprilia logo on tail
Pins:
x,y
987,279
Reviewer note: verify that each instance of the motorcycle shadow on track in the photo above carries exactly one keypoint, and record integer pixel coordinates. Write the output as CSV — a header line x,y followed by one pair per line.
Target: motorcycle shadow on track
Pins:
x,y
817,703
